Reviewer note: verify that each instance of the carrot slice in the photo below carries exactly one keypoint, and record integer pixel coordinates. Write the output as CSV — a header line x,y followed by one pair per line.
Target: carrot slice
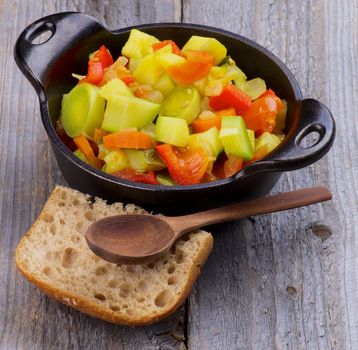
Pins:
x,y
197,66
201,125
83,144
127,139
98,134
200,57
188,72
226,112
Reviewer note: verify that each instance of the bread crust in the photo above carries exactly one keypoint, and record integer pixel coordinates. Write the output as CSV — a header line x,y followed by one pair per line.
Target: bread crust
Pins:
x,y
86,305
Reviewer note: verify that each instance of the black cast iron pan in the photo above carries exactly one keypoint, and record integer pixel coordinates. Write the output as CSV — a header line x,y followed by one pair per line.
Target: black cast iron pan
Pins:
x,y
49,65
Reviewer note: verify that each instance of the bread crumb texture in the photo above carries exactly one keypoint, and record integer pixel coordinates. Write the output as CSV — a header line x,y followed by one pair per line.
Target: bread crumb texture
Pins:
x,y
54,255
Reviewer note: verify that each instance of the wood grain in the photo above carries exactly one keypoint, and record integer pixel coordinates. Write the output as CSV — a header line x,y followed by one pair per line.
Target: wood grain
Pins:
x,y
289,280
280,281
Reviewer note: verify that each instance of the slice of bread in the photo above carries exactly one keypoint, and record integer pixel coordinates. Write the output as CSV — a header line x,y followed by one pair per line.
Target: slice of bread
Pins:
x,y
54,256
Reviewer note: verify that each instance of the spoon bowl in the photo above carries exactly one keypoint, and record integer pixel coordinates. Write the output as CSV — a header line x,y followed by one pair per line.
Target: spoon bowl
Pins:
x,y
136,239
124,239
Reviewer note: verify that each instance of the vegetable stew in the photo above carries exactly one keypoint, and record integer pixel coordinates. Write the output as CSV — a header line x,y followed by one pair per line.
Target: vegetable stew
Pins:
x,y
159,114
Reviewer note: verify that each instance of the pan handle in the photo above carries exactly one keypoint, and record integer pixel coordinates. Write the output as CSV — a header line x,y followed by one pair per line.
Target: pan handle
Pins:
x,y
315,117
62,29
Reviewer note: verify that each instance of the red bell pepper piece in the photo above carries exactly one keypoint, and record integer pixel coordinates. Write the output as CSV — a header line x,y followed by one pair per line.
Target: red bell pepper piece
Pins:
x,y
136,176
96,65
104,56
231,96
95,73
186,166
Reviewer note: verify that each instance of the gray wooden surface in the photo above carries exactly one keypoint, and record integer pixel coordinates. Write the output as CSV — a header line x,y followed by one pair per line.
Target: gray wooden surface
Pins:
x,y
280,281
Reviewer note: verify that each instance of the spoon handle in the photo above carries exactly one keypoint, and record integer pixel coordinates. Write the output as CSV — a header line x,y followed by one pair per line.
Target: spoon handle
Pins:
x,y
264,205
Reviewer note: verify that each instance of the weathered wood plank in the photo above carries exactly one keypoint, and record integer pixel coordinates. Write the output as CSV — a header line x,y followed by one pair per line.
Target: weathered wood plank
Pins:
x,y
28,173
289,280
286,280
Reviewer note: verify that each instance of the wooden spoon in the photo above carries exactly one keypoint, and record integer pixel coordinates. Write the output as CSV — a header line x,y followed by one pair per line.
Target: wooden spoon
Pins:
x,y
136,239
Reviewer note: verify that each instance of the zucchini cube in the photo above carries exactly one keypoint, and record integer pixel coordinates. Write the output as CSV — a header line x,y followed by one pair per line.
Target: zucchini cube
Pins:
x,y
139,44
125,112
172,130
210,45
234,137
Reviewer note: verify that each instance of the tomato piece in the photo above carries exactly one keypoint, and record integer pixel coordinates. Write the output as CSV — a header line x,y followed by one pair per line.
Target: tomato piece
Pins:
x,y
200,56
260,117
187,165
218,167
201,125
257,156
136,176
231,96
269,92
227,166
84,146
208,177
175,48
127,139
232,165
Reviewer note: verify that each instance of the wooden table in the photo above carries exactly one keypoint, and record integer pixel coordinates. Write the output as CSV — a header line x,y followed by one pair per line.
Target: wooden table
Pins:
x,y
280,281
